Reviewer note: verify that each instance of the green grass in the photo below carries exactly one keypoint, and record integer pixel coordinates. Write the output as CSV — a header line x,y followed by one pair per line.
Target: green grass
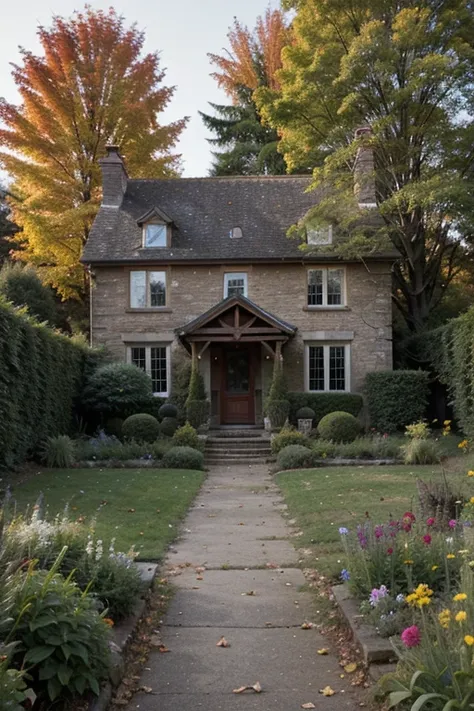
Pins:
x,y
321,500
140,507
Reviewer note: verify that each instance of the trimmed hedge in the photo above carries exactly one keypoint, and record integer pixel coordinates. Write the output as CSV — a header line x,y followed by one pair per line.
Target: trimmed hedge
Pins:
x,y
339,427
183,458
295,457
118,390
41,376
324,403
141,428
396,398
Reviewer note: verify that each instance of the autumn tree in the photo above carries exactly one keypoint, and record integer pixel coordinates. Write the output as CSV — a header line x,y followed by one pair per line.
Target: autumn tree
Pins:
x,y
247,145
91,86
406,71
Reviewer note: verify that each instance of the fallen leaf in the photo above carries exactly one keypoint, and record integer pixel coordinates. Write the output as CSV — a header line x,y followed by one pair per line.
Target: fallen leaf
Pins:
x,y
323,651
195,587
327,691
309,705
250,592
307,626
240,689
350,668
199,577
222,643
146,689
257,687
163,649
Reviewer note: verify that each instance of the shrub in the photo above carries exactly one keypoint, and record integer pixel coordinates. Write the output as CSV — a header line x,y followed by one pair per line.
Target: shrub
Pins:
x,y
168,426
78,660
421,451
339,427
396,398
59,452
196,390
168,410
117,390
305,413
198,412
22,286
295,457
141,428
186,436
180,377
277,411
324,403
96,450
13,689
183,458
288,436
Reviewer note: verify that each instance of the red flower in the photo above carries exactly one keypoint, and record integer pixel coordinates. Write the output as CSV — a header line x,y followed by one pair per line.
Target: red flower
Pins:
x,y
430,521
427,539
411,636
409,516
389,551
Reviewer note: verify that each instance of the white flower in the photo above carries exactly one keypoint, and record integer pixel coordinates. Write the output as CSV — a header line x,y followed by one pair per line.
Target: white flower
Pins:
x,y
449,540
89,546
99,550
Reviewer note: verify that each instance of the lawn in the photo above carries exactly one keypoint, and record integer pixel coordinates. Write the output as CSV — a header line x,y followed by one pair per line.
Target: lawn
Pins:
x,y
321,500
140,507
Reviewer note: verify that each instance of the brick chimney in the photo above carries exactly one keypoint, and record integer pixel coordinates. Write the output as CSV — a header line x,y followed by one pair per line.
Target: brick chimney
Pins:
x,y
364,170
114,177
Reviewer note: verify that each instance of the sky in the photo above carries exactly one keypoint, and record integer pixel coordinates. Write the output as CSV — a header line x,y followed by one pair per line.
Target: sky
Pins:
x,y
183,31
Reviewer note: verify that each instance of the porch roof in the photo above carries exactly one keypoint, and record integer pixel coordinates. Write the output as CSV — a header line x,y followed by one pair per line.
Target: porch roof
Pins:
x,y
236,318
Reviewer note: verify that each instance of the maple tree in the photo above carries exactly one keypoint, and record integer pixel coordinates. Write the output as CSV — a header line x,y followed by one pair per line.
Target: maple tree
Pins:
x,y
406,71
249,146
92,86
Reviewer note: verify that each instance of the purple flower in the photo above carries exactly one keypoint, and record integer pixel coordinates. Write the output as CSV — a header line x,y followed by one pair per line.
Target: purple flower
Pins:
x,y
378,531
343,531
452,523
345,575
377,594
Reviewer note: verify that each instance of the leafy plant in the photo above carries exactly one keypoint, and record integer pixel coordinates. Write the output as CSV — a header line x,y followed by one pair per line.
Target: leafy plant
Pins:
x,y
295,456
59,452
288,436
168,426
183,458
141,428
14,691
92,450
396,398
186,436
117,390
421,451
339,427
418,430
198,412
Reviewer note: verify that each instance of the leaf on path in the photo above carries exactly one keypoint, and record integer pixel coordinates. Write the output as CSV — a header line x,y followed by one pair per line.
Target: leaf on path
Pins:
x,y
309,705
350,668
240,689
257,687
272,565
199,577
146,689
163,649
307,626
323,651
251,593
222,643
195,587
327,691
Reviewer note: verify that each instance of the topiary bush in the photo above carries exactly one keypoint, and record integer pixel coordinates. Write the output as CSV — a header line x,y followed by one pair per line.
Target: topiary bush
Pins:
x,y
183,458
186,436
117,390
168,410
305,413
396,398
168,426
339,427
287,436
198,412
295,457
277,412
323,404
196,390
141,428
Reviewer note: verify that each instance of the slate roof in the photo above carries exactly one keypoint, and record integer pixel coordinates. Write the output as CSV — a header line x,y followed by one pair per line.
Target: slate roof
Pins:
x,y
203,212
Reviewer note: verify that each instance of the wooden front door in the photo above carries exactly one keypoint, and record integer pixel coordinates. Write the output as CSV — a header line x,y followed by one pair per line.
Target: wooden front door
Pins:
x,y
238,391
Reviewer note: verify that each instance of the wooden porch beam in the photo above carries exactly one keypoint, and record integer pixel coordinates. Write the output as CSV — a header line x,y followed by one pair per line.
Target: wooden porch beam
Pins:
x,y
236,317
269,349
230,339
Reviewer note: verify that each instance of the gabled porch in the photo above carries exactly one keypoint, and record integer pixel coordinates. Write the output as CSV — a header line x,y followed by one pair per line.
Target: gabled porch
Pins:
x,y
236,343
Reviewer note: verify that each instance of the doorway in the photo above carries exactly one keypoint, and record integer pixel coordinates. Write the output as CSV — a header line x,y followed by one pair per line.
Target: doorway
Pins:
x,y
238,389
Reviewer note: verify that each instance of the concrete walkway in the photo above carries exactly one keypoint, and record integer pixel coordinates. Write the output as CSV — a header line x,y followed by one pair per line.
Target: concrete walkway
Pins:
x,y
249,593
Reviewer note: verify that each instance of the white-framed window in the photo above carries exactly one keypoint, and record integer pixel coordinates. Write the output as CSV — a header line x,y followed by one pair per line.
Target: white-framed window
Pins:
x,y
319,236
326,287
155,235
154,360
328,367
235,284
147,289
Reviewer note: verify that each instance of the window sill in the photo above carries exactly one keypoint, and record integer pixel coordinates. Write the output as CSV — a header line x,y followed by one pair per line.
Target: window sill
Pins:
x,y
326,308
151,310
328,392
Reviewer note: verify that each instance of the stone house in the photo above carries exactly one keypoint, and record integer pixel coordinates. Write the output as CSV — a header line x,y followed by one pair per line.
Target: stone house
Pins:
x,y
203,266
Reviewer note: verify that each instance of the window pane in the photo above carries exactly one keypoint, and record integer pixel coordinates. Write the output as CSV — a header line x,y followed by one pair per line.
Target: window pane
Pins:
x,y
337,368
315,287
138,357
155,236
159,379
157,288
335,281
236,287
316,368
137,290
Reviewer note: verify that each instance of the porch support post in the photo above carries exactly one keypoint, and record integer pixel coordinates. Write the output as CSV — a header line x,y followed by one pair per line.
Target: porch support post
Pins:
x,y
194,355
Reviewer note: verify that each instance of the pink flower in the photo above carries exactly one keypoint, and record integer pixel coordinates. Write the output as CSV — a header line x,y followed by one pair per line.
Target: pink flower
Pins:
x,y
411,636
409,516
427,539
430,521
452,523
389,551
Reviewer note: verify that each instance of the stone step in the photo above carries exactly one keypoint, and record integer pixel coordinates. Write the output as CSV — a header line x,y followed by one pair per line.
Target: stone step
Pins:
x,y
237,455
254,451
228,461
230,434
237,440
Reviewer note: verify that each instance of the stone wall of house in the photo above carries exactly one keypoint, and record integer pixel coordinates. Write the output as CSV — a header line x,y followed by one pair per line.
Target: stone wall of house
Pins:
x,y
365,321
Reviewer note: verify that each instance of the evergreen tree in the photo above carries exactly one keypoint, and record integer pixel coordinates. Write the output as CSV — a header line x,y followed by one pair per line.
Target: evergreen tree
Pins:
x,y
21,285
8,229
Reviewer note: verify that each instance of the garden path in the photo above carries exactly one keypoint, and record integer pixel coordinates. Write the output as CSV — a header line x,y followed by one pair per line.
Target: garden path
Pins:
x,y
236,531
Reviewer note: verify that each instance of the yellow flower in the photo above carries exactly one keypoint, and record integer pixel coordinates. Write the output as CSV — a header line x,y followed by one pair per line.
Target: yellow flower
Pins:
x,y
470,472
461,616
446,423
469,640
411,599
444,618
422,601
450,556
408,562
423,590
459,597
463,444
434,567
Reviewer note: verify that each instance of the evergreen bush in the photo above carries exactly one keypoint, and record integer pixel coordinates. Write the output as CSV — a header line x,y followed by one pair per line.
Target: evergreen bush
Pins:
x,y
288,436
186,436
117,390
22,286
278,411
198,412
396,398
168,410
141,428
305,413
339,427
323,403
183,458
295,457
168,426
196,391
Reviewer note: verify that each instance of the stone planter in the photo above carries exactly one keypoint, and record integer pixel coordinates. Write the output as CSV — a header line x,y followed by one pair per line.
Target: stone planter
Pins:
x,y
267,425
305,426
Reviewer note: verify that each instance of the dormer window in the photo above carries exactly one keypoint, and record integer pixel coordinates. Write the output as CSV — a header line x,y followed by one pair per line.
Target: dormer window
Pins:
x,y
319,236
155,235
